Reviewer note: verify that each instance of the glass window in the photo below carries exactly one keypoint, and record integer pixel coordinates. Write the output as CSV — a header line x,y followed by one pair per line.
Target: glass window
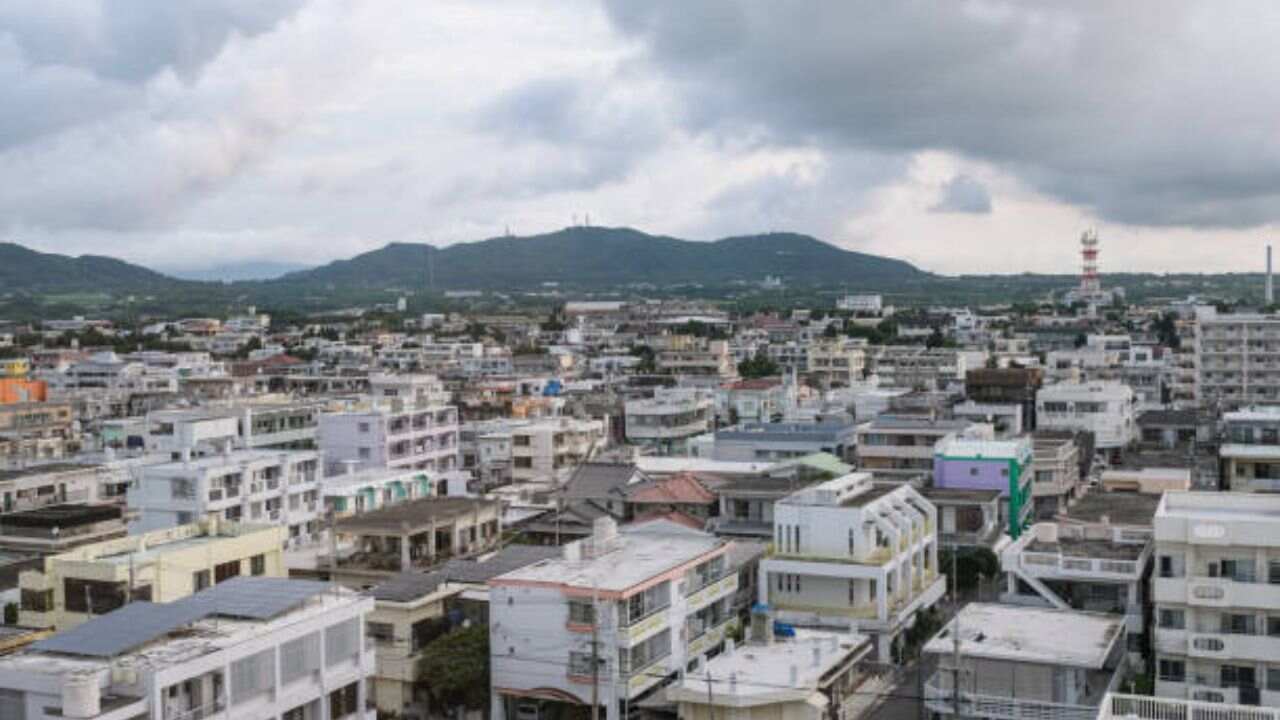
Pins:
x,y
341,642
344,700
1172,619
299,657
581,612
258,565
253,676
1172,670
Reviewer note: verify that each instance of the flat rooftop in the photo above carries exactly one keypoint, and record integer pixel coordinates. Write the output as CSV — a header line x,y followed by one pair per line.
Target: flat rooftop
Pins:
x,y
631,558
1118,508
67,515
413,514
870,495
1221,507
959,495
38,470
232,460
764,670
1031,635
1081,548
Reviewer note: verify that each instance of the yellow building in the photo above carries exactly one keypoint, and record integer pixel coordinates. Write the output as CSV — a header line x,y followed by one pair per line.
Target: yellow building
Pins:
x,y
409,614
14,367
159,566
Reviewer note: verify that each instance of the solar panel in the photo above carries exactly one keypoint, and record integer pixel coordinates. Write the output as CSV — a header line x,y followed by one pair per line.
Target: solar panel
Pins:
x,y
122,630
256,598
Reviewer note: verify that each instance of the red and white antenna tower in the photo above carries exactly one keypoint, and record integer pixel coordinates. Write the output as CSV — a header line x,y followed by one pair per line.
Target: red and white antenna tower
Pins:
x,y
1089,283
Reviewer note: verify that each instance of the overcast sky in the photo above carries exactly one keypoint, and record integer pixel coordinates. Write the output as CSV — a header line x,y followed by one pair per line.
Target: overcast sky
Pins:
x,y
962,136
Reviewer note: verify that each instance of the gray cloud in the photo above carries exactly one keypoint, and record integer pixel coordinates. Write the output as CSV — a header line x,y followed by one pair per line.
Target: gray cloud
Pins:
x,y
963,194
1144,117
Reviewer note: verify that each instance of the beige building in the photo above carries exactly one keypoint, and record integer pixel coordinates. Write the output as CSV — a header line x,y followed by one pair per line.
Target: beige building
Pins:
x,y
409,613
159,566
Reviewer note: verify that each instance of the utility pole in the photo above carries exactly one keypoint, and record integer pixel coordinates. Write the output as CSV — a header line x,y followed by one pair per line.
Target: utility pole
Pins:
x,y
595,654
711,708
955,636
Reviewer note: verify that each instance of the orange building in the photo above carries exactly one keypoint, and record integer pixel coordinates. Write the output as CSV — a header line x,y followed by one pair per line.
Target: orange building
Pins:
x,y
21,390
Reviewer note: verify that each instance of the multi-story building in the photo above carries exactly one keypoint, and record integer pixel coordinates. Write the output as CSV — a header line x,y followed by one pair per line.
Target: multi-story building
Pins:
x,y
1006,386
249,647
1093,569
919,368
1055,469
869,303
364,491
757,399
851,553
1249,455
1105,409
50,484
666,421
1237,359
159,566
396,435
1022,662
36,431
1216,590
837,362
777,441
903,445
250,486
1003,465
686,355
622,612
552,448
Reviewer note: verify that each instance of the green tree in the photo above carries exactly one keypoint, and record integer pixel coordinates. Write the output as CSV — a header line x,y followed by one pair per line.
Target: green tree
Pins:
x,y
455,668
11,613
757,367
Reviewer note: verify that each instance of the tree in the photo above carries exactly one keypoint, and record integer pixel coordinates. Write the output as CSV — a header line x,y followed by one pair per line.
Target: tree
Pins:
x,y
648,363
759,366
11,613
455,668
972,565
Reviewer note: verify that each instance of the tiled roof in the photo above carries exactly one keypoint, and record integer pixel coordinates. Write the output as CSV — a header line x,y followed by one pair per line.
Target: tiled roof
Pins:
x,y
681,488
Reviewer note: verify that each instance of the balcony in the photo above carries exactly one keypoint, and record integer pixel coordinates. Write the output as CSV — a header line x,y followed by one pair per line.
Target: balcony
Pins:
x,y
940,698
1141,707
1215,592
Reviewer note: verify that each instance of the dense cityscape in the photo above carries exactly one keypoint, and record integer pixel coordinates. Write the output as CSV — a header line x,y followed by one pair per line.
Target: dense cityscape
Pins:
x,y
639,360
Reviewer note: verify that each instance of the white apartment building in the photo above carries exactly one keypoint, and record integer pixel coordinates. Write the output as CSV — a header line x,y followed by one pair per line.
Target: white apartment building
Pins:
x,y
688,355
668,419
865,303
551,449
1106,409
372,489
249,486
1237,358
108,371
250,425
854,554
410,388
396,435
1216,590
246,648
657,598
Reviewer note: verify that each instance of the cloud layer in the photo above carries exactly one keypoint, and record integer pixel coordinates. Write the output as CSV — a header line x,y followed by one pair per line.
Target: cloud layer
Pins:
x,y
192,134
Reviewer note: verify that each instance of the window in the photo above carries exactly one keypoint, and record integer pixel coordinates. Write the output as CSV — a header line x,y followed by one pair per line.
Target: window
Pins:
x,y
344,700
1273,572
382,633
299,657
37,601
341,642
200,580
580,664
13,704
1273,626
581,612
646,653
1237,676
1273,679
1237,570
364,453
1235,624
1173,671
364,427
226,570
253,676
1172,619
92,596
258,565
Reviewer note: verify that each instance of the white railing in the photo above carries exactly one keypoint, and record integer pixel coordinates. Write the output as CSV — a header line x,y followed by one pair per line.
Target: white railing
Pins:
x,y
1039,561
940,699
1142,707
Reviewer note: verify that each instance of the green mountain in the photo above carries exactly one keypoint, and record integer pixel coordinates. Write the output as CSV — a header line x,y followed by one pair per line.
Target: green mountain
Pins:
x,y
605,257
24,269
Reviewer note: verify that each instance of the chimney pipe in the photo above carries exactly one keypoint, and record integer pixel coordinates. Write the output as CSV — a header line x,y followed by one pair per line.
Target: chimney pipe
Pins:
x,y
1270,292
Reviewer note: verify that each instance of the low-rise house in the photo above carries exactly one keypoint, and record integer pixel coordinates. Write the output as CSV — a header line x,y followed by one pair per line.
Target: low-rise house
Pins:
x,y
668,420
776,441
903,445
969,518
1019,662
811,676
159,566
1056,470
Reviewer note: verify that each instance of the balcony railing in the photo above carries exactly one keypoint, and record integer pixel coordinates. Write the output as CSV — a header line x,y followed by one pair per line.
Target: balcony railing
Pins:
x,y
1142,707
199,713
940,698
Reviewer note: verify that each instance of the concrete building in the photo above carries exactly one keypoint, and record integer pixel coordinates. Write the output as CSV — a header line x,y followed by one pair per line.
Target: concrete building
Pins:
x,y
657,600
1237,359
52,529
1249,455
249,648
851,553
1056,470
551,449
159,566
1019,662
1083,568
1006,386
395,435
903,445
778,441
813,676
918,368
754,400
839,362
1105,409
1003,465
36,431
666,421
417,534
1217,597
364,491
869,303
250,486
